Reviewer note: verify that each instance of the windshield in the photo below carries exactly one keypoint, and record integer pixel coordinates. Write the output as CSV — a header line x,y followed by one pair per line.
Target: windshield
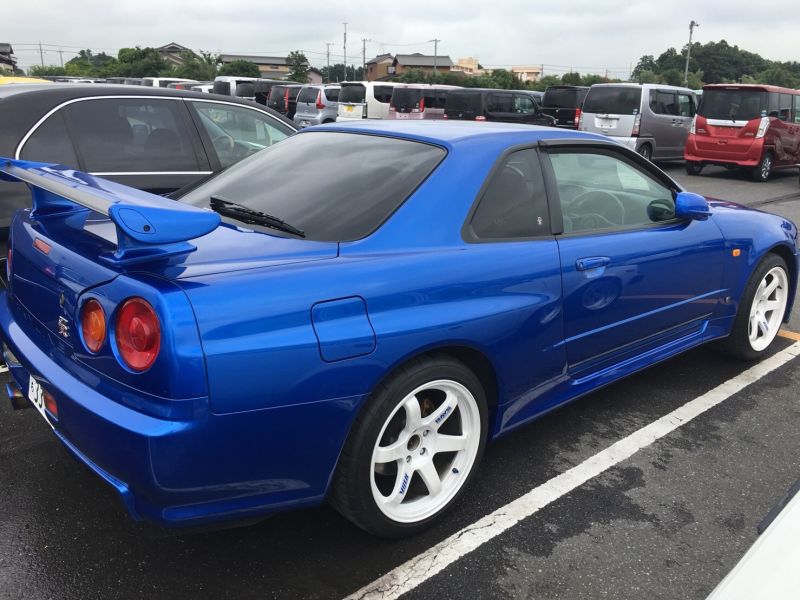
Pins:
x,y
406,98
736,104
463,102
222,87
353,93
245,89
563,97
613,100
359,181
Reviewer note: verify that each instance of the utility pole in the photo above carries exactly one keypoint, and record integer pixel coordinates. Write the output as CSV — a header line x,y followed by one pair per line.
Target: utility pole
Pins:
x,y
328,54
345,51
692,25
435,53
61,56
41,56
364,57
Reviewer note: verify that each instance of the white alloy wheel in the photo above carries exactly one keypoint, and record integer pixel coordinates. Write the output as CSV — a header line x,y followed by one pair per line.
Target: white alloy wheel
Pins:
x,y
768,308
425,451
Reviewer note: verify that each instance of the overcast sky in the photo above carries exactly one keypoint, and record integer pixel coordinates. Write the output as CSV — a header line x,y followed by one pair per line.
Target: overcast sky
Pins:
x,y
587,35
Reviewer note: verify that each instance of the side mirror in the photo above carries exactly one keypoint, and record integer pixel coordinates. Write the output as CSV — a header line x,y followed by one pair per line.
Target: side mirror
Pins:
x,y
691,206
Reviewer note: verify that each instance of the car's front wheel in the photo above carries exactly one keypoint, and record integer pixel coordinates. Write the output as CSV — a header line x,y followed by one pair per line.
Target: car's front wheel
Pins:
x,y
413,449
694,167
761,310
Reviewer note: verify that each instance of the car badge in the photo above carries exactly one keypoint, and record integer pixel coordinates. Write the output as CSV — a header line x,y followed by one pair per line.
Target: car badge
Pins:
x,y
63,327
61,300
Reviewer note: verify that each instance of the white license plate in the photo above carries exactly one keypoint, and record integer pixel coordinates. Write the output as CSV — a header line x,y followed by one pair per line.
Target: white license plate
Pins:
x,y
402,115
36,396
348,109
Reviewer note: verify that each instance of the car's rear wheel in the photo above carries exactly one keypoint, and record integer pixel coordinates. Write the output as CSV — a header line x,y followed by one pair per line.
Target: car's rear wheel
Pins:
x,y
646,151
763,170
694,167
413,449
761,310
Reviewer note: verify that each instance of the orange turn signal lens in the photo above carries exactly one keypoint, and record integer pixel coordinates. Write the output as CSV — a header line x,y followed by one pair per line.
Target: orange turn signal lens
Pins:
x,y
736,252
93,325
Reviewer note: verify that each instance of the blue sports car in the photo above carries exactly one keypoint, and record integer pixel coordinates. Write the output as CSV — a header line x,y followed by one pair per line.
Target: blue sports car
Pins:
x,y
353,313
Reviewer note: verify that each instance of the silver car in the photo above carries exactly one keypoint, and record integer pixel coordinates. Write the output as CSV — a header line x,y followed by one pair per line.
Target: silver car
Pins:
x,y
652,119
317,104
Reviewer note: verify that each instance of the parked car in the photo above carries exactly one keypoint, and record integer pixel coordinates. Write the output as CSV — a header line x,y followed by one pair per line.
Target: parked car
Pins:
x,y
564,103
756,127
419,101
163,81
507,106
317,104
249,88
206,88
537,95
275,353
652,119
283,98
150,138
188,85
365,100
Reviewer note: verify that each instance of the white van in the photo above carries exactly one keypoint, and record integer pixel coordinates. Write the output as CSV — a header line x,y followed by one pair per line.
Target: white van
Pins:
x,y
365,100
164,81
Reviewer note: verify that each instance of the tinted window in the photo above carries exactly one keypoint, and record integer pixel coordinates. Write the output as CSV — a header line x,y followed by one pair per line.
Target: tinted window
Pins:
x,y
500,103
147,82
739,104
383,93
123,135
51,143
440,99
524,105
558,97
277,98
332,94
685,105
406,99
601,192
347,198
785,110
613,100
245,89
352,93
467,102
663,102
237,132
308,94
222,87
797,109
514,204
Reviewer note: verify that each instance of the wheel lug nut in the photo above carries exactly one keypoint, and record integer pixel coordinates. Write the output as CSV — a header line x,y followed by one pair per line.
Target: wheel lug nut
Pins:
x,y
408,458
424,433
423,451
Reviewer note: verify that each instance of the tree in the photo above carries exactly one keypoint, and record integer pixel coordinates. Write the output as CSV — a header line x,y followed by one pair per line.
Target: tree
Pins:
x,y
138,62
696,80
778,75
202,67
38,71
298,66
647,77
672,77
646,63
240,68
571,79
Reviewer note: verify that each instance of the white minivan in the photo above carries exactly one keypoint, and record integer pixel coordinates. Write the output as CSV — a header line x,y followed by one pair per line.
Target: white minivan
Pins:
x,y
164,81
364,100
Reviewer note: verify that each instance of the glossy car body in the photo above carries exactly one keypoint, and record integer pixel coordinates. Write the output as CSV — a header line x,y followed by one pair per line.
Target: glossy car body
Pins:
x,y
415,101
317,104
504,106
28,109
364,100
731,140
564,103
272,344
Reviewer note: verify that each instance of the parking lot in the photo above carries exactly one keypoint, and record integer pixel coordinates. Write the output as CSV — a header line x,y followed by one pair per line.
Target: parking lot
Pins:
x,y
667,519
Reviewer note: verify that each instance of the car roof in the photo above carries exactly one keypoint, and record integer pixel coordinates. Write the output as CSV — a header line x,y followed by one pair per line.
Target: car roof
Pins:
x,y
67,91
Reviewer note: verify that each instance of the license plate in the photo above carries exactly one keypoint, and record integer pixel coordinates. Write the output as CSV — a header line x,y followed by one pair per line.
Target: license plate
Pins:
x,y
348,109
402,116
36,396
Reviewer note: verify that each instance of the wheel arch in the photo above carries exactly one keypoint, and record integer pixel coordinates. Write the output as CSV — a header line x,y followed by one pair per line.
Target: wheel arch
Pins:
x,y
790,258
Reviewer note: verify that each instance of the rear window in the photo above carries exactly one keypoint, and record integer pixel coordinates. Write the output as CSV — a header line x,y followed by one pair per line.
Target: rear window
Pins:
x,y
406,98
222,87
348,197
463,102
563,97
308,95
733,104
613,100
332,94
352,93
245,89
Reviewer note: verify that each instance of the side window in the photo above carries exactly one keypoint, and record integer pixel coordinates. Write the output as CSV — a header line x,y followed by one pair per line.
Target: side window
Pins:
x,y
441,99
774,106
237,132
686,105
383,93
131,135
51,143
785,110
524,105
797,109
500,103
332,94
430,98
663,103
514,204
599,191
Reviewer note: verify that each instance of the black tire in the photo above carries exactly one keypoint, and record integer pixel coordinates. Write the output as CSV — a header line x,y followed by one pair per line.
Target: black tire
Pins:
x,y
694,167
646,150
763,170
351,493
737,344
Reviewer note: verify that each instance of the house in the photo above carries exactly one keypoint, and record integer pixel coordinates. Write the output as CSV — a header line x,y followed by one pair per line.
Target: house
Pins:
x,y
271,67
314,75
469,66
422,62
378,67
172,53
8,62
527,73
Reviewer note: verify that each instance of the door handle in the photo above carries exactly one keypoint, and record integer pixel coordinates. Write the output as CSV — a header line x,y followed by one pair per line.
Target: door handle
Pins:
x,y
592,262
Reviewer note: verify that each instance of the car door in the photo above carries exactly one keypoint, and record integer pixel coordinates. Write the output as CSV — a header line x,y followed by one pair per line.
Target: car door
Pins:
x,y
662,124
686,111
634,278
500,107
527,110
144,142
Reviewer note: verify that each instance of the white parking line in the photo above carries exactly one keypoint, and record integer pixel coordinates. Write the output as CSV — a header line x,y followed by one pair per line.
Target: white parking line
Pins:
x,y
424,566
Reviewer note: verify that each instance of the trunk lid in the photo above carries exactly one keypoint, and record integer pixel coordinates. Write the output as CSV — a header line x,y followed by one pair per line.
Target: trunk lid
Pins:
x,y
611,110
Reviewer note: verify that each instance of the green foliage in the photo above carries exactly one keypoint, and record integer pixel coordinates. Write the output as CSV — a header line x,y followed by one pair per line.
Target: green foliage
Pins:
x,y
298,66
672,76
695,79
336,73
647,76
240,68
778,75
139,62
38,71
202,68
571,79
646,63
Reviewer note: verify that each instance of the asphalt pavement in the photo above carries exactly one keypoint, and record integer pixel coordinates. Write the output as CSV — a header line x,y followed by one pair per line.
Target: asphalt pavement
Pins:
x,y
667,522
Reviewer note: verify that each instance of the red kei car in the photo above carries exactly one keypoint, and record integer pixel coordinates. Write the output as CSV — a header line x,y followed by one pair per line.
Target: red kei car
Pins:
x,y
752,126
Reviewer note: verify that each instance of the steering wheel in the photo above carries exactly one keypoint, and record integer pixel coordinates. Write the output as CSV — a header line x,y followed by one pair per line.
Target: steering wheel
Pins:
x,y
225,139
597,209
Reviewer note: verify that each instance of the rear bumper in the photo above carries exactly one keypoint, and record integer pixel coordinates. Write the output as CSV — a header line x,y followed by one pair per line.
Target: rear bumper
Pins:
x,y
185,473
727,154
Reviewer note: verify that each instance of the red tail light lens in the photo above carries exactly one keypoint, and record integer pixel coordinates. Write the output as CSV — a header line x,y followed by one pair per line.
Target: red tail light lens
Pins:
x,y
138,334
320,105
286,100
420,106
50,404
93,325
480,118
578,113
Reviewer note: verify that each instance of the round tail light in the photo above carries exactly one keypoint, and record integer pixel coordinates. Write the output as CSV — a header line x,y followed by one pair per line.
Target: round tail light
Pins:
x,y
138,334
93,325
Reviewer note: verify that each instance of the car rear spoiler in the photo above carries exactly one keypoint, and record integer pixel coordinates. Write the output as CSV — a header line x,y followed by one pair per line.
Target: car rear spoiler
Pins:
x,y
148,226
